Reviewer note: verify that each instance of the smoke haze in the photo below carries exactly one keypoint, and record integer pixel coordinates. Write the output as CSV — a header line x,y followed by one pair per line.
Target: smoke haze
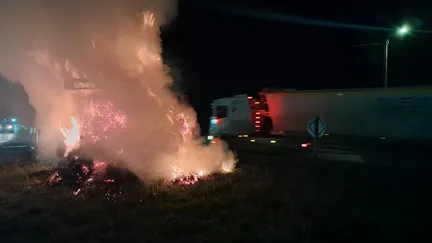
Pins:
x,y
46,44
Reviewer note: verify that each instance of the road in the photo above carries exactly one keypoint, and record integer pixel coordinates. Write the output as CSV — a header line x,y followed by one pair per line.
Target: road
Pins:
x,y
328,148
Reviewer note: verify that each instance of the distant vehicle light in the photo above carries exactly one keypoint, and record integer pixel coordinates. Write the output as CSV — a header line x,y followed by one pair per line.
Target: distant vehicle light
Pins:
x,y
249,97
210,137
214,121
272,141
252,140
9,127
13,120
245,135
240,136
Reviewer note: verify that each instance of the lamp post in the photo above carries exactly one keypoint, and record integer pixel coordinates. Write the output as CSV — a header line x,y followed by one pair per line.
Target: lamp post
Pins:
x,y
386,45
401,31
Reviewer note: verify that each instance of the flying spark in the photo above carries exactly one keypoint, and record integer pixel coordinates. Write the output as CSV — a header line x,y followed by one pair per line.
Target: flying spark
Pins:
x,y
105,118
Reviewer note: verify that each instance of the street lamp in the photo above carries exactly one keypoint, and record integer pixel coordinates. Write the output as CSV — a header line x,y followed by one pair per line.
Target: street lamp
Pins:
x,y
401,31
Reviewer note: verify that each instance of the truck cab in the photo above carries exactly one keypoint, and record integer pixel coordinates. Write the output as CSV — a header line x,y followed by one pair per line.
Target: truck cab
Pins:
x,y
240,115
231,116
7,127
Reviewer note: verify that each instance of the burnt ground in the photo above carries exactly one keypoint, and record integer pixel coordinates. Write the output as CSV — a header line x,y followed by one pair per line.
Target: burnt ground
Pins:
x,y
268,199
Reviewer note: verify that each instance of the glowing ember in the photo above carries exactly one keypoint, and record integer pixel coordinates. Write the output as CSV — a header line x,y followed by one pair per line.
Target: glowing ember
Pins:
x,y
188,180
105,118
179,177
85,169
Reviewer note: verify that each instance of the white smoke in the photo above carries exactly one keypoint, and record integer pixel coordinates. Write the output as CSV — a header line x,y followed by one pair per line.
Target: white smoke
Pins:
x,y
118,46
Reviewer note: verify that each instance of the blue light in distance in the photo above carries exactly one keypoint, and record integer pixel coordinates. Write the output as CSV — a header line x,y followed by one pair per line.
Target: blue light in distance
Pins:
x,y
214,121
13,120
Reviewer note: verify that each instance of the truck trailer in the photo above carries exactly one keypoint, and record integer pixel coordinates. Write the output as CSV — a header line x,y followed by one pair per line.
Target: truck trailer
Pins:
x,y
375,121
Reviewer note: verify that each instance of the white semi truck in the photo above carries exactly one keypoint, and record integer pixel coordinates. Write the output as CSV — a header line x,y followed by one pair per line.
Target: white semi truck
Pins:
x,y
374,120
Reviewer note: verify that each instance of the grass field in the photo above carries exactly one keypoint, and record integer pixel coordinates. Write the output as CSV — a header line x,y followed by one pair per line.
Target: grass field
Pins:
x,y
268,199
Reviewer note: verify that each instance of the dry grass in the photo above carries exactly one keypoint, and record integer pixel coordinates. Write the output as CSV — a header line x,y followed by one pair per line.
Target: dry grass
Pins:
x,y
269,199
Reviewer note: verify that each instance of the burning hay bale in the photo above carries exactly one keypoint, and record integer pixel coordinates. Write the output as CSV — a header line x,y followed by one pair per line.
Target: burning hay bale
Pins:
x,y
81,173
118,105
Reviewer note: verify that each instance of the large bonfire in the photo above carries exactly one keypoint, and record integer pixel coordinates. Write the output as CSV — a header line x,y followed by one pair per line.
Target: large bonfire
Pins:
x,y
119,111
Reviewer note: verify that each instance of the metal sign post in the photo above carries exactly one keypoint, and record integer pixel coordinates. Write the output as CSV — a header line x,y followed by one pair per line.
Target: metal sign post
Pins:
x,y
316,128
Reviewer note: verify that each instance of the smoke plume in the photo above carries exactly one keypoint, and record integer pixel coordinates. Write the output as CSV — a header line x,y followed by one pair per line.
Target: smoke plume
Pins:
x,y
129,114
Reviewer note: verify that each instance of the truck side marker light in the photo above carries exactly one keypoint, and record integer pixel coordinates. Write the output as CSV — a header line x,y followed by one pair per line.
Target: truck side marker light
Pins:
x,y
305,145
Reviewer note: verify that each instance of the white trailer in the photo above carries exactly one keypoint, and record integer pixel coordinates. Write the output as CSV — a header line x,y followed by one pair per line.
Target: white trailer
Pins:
x,y
399,116
397,113
392,113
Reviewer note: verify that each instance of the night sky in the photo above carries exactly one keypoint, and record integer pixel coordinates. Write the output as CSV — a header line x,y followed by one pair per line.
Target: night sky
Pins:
x,y
224,49
233,47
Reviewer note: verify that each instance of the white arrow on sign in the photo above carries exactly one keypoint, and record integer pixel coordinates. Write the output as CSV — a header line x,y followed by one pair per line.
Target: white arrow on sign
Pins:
x,y
316,127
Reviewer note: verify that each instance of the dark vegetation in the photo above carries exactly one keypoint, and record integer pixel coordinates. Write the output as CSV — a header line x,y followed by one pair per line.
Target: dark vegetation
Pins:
x,y
268,199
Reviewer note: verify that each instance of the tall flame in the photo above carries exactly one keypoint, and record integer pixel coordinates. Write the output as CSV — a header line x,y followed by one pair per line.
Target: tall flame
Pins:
x,y
71,136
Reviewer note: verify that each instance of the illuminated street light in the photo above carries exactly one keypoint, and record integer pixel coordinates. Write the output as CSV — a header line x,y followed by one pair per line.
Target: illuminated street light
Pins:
x,y
401,31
